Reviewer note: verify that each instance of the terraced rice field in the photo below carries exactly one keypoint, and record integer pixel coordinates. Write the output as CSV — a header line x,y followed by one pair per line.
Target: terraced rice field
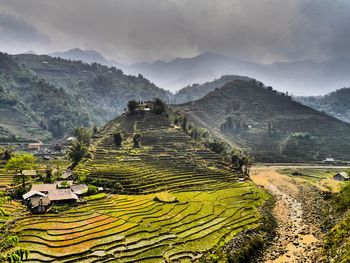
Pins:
x,y
5,179
125,228
167,161
173,201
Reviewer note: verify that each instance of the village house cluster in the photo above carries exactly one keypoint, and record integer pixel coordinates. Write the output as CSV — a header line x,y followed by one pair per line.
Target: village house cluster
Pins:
x,y
42,196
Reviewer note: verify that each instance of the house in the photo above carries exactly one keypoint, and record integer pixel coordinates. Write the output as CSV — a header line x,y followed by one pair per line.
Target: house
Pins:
x,y
329,160
39,204
37,201
35,146
342,176
60,196
80,189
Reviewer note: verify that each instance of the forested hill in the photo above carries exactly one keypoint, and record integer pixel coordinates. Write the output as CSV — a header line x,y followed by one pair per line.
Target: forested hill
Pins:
x,y
44,97
270,125
31,108
336,104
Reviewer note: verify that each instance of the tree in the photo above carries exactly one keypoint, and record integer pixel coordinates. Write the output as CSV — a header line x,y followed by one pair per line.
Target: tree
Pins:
x,y
184,123
137,140
94,129
77,151
6,153
132,106
19,163
158,106
83,135
117,137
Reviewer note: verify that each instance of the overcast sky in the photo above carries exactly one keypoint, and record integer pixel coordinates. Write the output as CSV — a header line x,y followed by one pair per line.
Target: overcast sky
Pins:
x,y
146,30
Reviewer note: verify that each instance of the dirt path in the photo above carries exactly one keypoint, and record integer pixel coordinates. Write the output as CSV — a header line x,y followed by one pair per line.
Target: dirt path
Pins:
x,y
297,239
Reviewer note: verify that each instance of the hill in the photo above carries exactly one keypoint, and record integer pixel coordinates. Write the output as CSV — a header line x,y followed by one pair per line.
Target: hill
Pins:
x,y
298,77
176,201
32,108
336,104
268,124
197,91
60,94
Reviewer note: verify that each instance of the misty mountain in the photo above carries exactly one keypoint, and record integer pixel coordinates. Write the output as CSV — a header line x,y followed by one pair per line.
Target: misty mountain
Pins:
x,y
87,56
300,77
336,104
268,124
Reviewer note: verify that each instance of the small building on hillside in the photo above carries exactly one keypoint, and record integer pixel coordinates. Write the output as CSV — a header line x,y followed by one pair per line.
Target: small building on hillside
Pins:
x,y
37,201
35,146
342,176
329,160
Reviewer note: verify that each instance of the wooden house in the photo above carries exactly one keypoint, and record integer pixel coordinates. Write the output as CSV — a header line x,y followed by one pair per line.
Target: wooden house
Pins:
x,y
342,176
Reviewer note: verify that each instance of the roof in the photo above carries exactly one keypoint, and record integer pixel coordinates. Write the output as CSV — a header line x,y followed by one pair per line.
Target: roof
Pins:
x,y
66,174
32,193
43,187
62,194
344,175
330,160
79,189
35,201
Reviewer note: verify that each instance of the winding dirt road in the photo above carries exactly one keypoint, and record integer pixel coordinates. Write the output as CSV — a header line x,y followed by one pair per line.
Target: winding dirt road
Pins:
x,y
298,237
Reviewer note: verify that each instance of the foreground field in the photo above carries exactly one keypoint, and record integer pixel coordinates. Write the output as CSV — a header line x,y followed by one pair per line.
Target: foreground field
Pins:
x,y
149,228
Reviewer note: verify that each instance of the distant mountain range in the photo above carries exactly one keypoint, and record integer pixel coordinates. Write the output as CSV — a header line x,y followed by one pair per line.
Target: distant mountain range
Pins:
x,y
299,77
269,125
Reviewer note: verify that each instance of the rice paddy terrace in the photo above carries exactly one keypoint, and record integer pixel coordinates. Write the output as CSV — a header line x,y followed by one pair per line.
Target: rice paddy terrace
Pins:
x,y
173,201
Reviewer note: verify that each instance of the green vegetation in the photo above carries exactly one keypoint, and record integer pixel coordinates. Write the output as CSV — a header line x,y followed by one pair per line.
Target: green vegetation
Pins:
x,y
159,106
337,242
132,106
9,250
21,162
117,137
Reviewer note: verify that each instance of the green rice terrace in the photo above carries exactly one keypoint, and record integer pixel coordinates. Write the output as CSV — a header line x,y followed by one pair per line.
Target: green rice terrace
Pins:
x,y
171,200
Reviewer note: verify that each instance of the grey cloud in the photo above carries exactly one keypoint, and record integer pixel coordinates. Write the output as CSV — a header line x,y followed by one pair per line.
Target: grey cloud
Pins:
x,y
16,34
133,30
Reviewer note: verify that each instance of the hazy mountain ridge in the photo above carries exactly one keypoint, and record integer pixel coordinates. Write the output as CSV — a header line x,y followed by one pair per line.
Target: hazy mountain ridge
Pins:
x,y
269,125
300,77
304,77
336,104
